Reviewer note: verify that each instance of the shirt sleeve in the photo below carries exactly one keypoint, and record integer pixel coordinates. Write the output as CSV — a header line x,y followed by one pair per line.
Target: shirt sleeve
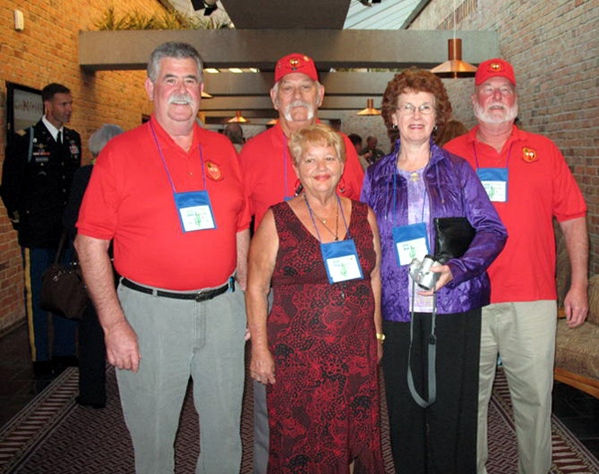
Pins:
x,y
245,215
568,202
353,175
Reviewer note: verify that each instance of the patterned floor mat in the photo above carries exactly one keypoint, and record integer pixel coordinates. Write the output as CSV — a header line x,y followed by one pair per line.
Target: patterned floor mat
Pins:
x,y
54,435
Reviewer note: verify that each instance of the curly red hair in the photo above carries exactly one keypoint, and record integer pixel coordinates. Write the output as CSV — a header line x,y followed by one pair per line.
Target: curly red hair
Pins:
x,y
415,80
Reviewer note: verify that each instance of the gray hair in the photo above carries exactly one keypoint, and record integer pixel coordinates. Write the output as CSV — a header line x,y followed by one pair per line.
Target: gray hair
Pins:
x,y
277,85
176,50
102,136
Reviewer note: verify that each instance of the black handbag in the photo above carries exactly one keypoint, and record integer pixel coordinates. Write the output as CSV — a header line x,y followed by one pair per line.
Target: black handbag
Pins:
x,y
63,288
453,236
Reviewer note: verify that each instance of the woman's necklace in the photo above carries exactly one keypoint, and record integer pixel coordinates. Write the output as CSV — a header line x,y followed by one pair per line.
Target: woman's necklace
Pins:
x,y
324,221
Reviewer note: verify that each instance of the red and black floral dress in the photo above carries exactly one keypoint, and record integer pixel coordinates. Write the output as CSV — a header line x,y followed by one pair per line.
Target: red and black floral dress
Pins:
x,y
324,407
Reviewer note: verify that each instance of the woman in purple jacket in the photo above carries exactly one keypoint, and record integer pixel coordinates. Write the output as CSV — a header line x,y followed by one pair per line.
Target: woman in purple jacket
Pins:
x,y
432,338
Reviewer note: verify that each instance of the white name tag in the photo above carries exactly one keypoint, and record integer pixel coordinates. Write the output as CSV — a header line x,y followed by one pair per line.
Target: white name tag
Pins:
x,y
343,268
411,249
496,190
196,218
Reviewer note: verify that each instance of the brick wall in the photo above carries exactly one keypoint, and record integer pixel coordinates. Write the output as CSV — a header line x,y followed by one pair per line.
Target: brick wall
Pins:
x,y
47,51
554,47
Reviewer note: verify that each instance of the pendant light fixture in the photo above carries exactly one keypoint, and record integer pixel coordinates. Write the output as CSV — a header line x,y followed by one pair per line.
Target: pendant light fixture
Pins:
x,y
454,67
238,118
369,110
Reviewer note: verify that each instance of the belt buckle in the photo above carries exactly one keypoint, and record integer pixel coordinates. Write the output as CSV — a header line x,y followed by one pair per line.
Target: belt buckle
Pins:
x,y
199,296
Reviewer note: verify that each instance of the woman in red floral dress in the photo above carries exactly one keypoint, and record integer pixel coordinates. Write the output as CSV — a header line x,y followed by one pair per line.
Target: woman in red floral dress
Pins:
x,y
319,347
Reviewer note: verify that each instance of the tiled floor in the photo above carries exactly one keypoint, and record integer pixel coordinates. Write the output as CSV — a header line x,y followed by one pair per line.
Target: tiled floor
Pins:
x,y
577,410
17,384
580,413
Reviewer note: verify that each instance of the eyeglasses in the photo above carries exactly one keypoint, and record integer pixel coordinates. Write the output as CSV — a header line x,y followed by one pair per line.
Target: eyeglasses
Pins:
x,y
409,109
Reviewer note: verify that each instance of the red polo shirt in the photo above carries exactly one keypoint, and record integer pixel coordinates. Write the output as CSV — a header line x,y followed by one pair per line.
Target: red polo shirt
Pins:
x,y
540,187
266,161
130,199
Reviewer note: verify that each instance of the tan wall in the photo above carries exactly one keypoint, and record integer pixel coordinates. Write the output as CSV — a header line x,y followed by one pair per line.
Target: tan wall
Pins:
x,y
47,51
554,48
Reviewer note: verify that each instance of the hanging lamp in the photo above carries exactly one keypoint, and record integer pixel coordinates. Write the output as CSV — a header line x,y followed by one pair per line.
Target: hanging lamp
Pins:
x,y
454,67
369,110
238,118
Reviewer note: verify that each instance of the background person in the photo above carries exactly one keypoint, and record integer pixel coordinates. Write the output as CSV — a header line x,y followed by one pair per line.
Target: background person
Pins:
x,y
407,190
529,183
452,129
371,154
317,349
36,181
234,132
92,351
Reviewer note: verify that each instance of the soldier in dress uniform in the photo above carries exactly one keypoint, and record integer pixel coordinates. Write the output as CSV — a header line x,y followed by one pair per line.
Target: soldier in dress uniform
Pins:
x,y
36,180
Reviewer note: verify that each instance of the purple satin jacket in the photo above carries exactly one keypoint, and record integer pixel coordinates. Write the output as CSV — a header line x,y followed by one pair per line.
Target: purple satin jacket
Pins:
x,y
454,190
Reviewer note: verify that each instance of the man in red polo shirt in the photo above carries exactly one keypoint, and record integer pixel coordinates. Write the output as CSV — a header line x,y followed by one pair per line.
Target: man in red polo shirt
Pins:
x,y
169,194
269,177
529,182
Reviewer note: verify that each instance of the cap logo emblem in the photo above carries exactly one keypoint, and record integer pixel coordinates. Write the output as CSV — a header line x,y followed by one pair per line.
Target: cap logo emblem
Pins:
x,y
294,63
495,67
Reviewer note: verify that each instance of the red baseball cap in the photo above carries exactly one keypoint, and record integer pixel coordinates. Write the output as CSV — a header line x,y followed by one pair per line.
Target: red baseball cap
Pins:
x,y
295,63
494,68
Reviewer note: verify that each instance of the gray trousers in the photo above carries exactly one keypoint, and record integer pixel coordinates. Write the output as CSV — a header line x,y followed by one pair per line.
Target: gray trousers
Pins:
x,y
179,339
261,427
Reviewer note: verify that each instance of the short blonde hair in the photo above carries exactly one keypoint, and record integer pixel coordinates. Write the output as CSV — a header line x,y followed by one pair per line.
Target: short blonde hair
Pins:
x,y
315,135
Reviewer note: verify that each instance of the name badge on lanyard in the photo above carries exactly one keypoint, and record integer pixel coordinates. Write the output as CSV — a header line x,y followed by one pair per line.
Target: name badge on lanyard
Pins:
x,y
195,211
411,241
341,261
194,207
340,258
495,181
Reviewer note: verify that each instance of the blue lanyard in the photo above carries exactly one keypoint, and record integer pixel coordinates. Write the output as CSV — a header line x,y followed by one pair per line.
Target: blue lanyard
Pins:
x,y
507,162
314,222
164,161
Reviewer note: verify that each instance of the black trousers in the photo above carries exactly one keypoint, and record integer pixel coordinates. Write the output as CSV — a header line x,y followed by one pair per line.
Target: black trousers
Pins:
x,y
92,359
442,437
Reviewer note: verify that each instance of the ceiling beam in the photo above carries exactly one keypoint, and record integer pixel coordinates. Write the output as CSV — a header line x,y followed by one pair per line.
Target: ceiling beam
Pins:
x,y
335,83
284,14
121,50
264,102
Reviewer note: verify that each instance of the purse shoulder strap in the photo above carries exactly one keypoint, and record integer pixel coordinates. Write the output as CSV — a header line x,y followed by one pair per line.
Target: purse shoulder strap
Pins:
x,y
61,246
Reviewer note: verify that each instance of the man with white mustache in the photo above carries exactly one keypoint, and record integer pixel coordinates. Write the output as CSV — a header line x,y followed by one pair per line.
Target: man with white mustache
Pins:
x,y
270,178
169,194
529,182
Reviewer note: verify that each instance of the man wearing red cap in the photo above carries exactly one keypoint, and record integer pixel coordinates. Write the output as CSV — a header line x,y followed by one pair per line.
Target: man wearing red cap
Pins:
x,y
529,182
269,176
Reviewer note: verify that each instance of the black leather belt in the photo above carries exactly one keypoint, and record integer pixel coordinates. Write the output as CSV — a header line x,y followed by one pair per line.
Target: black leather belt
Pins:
x,y
203,295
